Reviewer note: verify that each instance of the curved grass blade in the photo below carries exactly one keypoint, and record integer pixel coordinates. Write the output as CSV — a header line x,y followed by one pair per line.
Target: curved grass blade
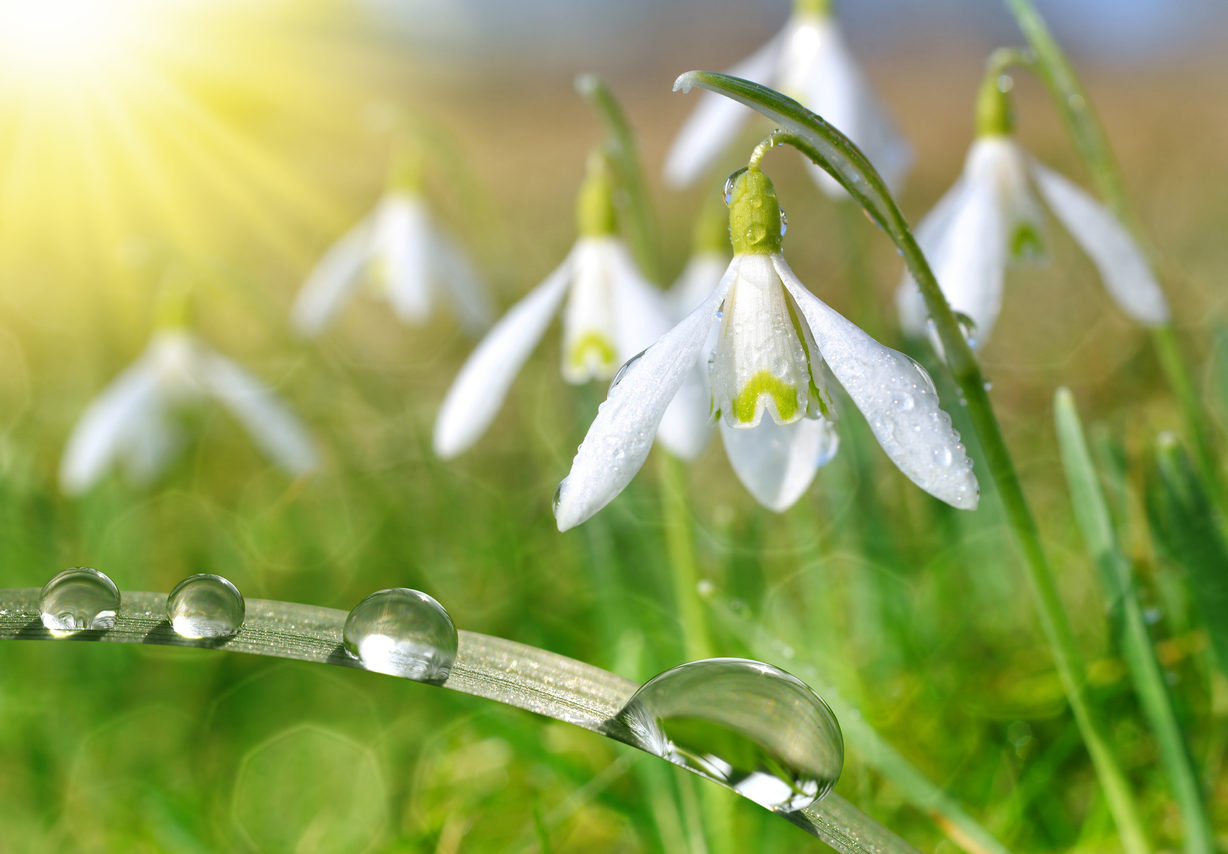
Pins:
x,y
507,672
1116,577
835,153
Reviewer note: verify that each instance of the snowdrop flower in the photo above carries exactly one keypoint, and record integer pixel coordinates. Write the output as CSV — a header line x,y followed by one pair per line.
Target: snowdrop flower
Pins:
x,y
808,61
992,217
136,421
611,314
404,256
769,372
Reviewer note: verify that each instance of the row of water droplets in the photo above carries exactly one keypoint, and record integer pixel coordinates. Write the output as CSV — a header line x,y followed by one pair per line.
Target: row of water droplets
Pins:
x,y
745,724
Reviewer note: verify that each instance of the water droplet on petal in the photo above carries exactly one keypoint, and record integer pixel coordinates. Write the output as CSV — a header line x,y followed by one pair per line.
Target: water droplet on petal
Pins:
x,y
729,182
205,606
745,724
402,632
78,599
622,371
784,223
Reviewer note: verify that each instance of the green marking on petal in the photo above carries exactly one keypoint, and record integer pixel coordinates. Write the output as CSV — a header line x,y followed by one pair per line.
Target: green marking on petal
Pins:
x,y
760,384
591,342
1027,243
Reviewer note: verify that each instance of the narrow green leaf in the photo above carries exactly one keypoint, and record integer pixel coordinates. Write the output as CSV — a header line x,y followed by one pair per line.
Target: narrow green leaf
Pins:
x,y
1116,578
1189,529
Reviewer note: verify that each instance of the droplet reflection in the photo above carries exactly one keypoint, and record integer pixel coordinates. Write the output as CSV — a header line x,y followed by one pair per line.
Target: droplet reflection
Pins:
x,y
402,632
748,725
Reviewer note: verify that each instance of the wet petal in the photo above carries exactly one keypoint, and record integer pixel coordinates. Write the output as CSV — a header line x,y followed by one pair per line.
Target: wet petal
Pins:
x,y
405,245
337,275
711,128
1127,275
483,381
271,425
101,433
621,435
777,463
897,398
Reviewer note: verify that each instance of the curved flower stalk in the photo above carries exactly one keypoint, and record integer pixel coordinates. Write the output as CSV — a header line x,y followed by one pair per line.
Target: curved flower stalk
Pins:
x,y
776,345
405,259
135,422
992,218
612,313
809,61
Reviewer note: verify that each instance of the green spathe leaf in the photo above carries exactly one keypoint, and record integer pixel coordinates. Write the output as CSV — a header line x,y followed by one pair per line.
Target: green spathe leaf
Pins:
x,y
1190,531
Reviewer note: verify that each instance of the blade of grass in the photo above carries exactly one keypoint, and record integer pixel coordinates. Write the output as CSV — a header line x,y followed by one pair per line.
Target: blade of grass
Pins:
x,y
1116,578
835,153
1188,527
507,672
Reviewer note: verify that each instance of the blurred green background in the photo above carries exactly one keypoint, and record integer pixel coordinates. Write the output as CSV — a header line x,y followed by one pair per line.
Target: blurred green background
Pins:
x,y
231,143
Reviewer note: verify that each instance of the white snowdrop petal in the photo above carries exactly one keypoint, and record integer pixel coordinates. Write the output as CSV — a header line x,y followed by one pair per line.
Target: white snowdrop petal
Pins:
x,y
1127,275
590,347
484,379
100,434
404,241
969,261
271,425
687,424
819,71
460,284
897,398
149,444
332,281
641,310
621,435
931,234
777,463
711,128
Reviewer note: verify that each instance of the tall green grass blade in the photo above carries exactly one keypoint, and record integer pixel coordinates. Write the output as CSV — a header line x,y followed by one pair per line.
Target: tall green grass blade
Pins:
x,y
507,672
1116,578
833,151
1188,527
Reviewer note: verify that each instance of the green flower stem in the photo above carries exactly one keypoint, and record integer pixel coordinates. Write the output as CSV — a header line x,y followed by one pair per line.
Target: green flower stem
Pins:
x,y
1092,144
637,218
507,672
1116,576
680,551
831,150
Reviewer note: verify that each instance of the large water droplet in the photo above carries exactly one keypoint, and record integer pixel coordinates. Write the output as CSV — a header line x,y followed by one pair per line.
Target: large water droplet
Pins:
x,y
557,497
205,606
729,182
78,599
403,632
748,725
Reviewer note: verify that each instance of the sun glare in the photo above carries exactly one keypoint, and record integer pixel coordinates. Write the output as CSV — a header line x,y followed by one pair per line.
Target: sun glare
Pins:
x,y
43,38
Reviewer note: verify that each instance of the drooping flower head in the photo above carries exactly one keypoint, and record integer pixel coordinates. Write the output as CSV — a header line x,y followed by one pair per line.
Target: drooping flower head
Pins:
x,y
404,258
992,218
137,422
770,369
810,62
611,314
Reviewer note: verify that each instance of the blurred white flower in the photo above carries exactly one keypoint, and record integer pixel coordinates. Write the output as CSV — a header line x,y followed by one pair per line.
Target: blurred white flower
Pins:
x,y
810,62
612,313
406,258
136,421
776,346
991,218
